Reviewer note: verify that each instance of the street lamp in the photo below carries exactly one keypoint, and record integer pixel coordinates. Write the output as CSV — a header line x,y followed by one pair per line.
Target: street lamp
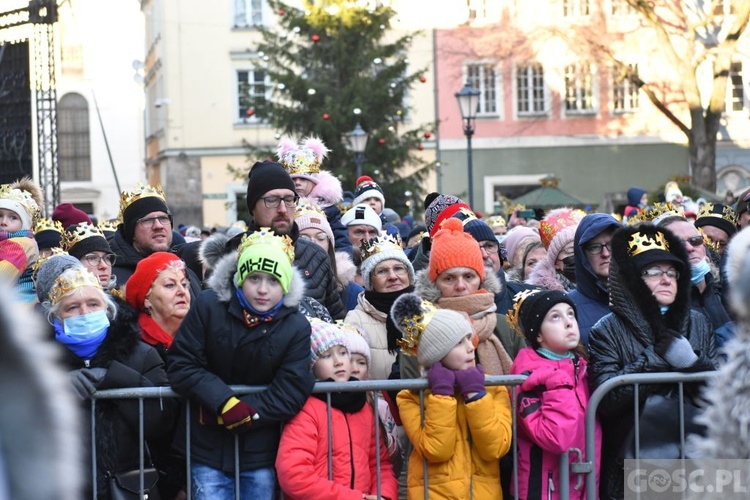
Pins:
x,y
358,142
409,203
468,103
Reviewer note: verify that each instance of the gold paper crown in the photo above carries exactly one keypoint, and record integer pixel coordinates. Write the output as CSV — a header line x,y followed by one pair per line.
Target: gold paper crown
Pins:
x,y
496,221
347,327
414,326
308,208
380,244
45,224
639,243
22,197
78,233
655,211
466,215
63,285
301,162
44,258
266,236
141,190
727,213
109,226
513,312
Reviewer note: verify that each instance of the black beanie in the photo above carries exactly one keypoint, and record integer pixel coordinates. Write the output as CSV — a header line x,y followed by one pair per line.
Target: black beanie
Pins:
x,y
47,239
139,209
264,177
535,307
88,245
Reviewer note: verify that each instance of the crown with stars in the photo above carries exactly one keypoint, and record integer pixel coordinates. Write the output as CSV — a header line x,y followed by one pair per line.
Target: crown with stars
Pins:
x,y
639,243
414,325
76,234
380,244
266,236
513,312
23,198
303,159
45,224
141,190
64,285
307,207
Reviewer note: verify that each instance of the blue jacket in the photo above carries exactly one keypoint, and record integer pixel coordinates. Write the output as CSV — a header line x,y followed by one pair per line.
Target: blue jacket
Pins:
x,y
590,296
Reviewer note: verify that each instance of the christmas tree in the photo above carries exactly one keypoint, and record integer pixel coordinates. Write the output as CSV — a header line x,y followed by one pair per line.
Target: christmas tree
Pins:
x,y
331,66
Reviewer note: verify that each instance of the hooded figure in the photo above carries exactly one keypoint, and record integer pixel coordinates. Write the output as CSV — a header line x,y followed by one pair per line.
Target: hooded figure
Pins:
x,y
591,296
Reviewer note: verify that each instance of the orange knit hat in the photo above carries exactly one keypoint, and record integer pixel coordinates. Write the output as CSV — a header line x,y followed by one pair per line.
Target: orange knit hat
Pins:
x,y
452,247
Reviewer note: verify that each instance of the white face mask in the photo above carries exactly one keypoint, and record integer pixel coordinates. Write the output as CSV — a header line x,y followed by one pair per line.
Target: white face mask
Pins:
x,y
698,271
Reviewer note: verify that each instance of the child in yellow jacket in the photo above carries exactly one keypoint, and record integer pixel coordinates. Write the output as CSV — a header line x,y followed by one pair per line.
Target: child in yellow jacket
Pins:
x,y
467,426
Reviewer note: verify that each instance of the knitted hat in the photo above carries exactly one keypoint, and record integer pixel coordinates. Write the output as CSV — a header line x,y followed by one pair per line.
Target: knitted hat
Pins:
x,y
302,160
529,309
137,203
357,340
49,270
439,207
323,336
557,229
47,233
514,237
24,198
309,215
367,188
362,214
264,177
477,228
83,238
69,215
264,252
452,247
390,215
718,215
380,249
429,333
143,278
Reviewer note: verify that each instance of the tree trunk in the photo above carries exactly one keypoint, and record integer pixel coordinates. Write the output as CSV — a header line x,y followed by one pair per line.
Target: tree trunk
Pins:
x,y
702,148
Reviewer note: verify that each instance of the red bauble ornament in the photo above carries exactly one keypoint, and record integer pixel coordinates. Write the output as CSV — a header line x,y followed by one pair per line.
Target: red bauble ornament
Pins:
x,y
422,78
281,12
326,116
427,135
250,112
420,147
316,38
381,141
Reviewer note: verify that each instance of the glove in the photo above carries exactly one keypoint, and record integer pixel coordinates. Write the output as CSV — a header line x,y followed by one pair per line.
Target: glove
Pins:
x,y
547,379
663,340
680,353
471,380
441,379
86,380
237,414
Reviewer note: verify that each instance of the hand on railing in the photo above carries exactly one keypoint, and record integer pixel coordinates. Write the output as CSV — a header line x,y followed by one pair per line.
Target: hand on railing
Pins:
x,y
86,380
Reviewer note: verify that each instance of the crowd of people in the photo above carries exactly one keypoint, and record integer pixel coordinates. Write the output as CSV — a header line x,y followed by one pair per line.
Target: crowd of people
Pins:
x,y
312,291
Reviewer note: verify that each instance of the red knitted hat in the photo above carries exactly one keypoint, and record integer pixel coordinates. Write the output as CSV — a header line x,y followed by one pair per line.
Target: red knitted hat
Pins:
x,y
452,247
144,276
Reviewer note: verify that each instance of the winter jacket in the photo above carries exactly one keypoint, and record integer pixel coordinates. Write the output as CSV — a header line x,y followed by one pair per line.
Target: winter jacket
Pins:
x,y
340,232
551,420
372,321
214,349
18,254
622,343
709,303
508,290
462,443
302,463
590,295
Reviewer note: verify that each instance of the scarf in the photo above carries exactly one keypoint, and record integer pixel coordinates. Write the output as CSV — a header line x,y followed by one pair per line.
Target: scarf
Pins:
x,y
546,353
383,303
480,307
347,402
253,317
152,333
84,348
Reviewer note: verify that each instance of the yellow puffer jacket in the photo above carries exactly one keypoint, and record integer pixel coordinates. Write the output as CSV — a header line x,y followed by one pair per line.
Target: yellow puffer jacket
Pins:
x,y
462,443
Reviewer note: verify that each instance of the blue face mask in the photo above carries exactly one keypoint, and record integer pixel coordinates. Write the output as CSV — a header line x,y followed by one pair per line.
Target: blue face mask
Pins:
x,y
86,326
698,271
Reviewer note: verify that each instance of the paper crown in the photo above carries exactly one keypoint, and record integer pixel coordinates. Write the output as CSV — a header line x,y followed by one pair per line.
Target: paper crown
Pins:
x,y
513,313
496,221
266,236
639,243
78,233
141,190
22,197
654,212
108,226
44,258
64,285
726,212
551,224
413,326
303,159
465,215
380,244
45,224
308,208
347,327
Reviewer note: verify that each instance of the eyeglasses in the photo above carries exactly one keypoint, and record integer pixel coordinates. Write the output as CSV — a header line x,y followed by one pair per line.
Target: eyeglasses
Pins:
x,y
164,220
657,273
384,272
694,241
274,201
489,247
596,248
95,259
318,236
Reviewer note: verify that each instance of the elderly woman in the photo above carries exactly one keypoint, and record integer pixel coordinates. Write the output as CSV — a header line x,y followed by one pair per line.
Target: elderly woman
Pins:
x,y
87,243
651,329
387,274
159,291
103,350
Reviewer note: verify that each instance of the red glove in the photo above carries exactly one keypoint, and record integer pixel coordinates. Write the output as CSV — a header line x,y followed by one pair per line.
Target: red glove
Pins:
x,y
471,380
547,379
237,414
441,379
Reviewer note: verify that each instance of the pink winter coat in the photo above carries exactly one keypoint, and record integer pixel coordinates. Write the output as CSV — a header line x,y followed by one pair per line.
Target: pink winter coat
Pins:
x,y
302,462
551,420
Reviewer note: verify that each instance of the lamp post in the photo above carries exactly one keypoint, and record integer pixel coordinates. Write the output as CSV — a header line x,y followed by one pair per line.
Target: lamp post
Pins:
x,y
409,203
468,102
358,143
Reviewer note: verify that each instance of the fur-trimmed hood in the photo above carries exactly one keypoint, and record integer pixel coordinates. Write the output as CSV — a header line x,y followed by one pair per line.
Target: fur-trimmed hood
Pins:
x,y
427,289
212,249
738,272
345,268
545,275
222,281
327,190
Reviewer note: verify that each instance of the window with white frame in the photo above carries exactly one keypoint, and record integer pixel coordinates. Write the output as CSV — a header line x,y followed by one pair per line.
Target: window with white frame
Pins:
x,y
251,88
73,143
621,8
576,8
735,89
579,89
624,90
531,96
484,78
248,13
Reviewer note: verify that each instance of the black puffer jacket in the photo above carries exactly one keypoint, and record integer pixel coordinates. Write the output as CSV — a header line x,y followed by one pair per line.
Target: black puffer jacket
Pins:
x,y
622,343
